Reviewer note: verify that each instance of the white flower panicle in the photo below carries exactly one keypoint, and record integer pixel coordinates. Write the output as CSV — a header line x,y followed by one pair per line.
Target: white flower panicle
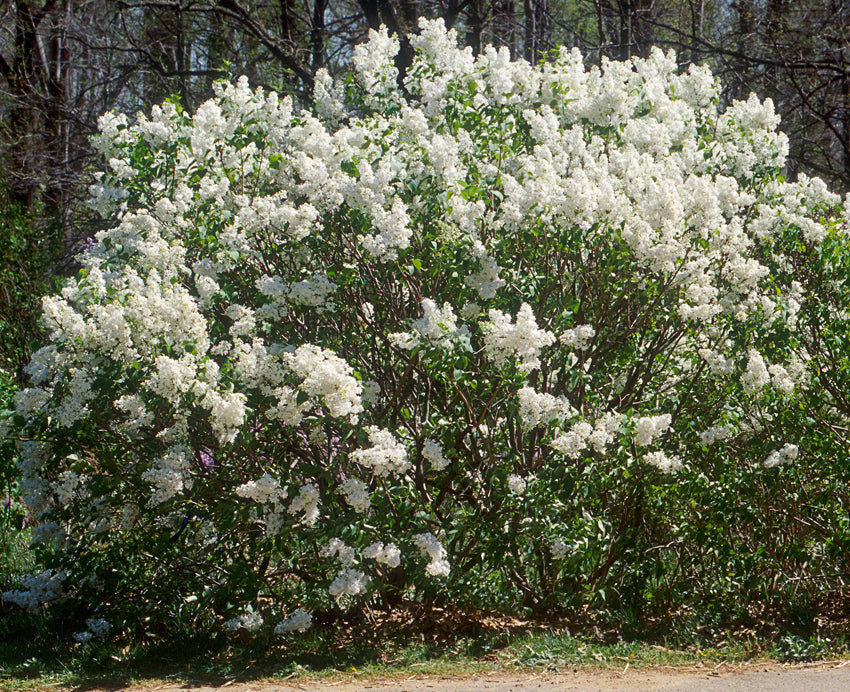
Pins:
x,y
579,337
169,475
536,408
374,63
714,434
313,292
386,554
306,502
250,621
386,455
326,375
756,375
431,547
520,339
574,441
663,462
559,548
583,435
349,582
432,452
300,621
436,327
517,484
436,324
138,416
786,455
485,281
227,414
649,428
781,379
338,549
356,494
38,590
98,628
263,490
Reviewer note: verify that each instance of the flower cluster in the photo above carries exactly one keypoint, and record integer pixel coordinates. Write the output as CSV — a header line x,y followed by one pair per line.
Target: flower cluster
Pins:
x,y
433,453
436,327
38,590
349,582
388,554
386,455
431,547
521,339
250,621
300,621
98,628
666,463
786,455
648,428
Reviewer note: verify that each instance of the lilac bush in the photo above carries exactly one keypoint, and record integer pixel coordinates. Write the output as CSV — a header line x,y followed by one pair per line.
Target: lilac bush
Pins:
x,y
419,340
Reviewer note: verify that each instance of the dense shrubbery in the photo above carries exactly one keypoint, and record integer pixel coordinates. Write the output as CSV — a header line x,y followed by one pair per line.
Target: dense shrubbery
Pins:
x,y
27,249
527,337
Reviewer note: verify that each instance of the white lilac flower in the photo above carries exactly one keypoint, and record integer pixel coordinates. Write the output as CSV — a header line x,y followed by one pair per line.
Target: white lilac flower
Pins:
x,y
168,476
326,375
386,554
243,320
781,379
648,428
579,337
356,494
520,339
431,547
337,548
314,291
485,281
30,400
172,378
663,462
433,453
756,375
300,621
558,548
470,311
263,490
786,455
573,441
437,325
516,484
250,621
349,582
537,408
307,502
38,590
386,455
99,627
714,434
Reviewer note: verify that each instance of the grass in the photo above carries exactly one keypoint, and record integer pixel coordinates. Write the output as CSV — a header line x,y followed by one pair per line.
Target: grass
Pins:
x,y
32,658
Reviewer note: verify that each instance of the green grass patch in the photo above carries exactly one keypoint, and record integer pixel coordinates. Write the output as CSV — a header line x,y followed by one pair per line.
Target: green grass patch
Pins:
x,y
34,656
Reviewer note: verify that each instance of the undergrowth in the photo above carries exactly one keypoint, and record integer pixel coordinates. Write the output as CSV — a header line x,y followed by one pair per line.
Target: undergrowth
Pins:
x,y
35,651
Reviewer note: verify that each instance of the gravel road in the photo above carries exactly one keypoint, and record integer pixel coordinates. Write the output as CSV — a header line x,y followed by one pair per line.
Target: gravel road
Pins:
x,y
766,677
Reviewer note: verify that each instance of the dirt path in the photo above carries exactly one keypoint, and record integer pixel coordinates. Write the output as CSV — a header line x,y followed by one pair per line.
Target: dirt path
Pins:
x,y
761,677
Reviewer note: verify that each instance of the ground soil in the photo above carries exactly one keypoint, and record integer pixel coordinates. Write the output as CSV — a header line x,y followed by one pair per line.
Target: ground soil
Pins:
x,y
830,676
